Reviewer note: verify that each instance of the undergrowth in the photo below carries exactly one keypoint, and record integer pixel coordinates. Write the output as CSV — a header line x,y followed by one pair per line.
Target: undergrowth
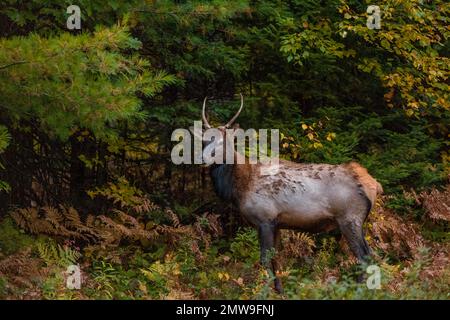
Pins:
x,y
123,254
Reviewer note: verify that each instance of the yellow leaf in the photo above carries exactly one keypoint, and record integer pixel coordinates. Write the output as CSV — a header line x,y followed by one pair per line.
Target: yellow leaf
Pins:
x,y
331,136
385,44
223,276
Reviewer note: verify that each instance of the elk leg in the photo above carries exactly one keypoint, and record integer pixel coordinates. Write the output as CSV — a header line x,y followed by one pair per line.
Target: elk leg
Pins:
x,y
267,235
266,240
368,251
354,235
275,264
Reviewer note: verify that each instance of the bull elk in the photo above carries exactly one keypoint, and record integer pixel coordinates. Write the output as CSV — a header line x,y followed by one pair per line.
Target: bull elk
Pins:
x,y
304,196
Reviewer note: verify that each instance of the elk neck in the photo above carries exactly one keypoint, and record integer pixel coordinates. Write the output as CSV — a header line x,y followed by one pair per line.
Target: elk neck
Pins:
x,y
222,178
232,181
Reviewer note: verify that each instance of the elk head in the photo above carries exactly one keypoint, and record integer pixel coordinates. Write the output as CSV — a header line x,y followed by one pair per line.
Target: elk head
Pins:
x,y
215,139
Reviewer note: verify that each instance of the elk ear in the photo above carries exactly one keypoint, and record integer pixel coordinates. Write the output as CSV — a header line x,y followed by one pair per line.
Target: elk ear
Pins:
x,y
198,134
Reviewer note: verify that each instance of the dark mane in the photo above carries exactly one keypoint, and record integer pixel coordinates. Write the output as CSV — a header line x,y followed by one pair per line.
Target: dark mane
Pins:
x,y
222,177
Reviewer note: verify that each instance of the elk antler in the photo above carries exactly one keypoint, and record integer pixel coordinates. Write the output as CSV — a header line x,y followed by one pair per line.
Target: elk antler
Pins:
x,y
237,114
205,122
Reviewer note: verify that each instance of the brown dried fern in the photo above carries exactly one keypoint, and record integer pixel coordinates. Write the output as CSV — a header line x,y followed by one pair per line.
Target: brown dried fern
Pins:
x,y
437,204
104,230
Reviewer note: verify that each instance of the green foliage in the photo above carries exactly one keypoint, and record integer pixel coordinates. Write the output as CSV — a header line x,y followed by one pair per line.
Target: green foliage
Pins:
x,y
119,193
412,41
50,16
403,205
161,276
436,232
13,239
4,138
112,281
76,81
408,71
245,246
4,142
325,258
407,163
55,254
52,286
104,275
3,284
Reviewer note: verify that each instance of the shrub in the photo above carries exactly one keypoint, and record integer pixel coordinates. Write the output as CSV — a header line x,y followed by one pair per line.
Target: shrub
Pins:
x,y
12,239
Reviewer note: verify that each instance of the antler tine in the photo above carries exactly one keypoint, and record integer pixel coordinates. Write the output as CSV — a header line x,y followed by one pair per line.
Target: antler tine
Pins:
x,y
237,114
205,121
